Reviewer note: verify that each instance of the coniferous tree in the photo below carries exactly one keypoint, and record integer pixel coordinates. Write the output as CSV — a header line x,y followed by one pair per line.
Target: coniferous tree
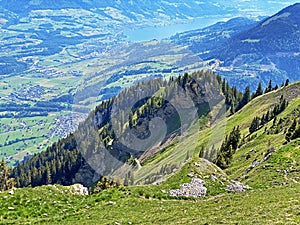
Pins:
x,y
228,148
246,98
274,121
296,133
263,120
270,87
267,116
234,137
254,125
6,183
48,175
287,82
259,90
291,130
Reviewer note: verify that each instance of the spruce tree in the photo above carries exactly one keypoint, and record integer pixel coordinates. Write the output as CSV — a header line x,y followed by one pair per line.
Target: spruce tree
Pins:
x,y
287,82
6,183
254,125
246,98
270,87
259,90
291,130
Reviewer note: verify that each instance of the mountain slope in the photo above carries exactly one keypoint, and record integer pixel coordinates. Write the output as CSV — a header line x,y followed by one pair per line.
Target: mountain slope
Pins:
x,y
267,51
136,124
78,157
272,181
248,165
204,41
250,53
276,34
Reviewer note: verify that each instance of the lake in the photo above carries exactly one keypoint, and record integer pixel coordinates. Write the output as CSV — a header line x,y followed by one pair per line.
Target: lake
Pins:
x,y
162,32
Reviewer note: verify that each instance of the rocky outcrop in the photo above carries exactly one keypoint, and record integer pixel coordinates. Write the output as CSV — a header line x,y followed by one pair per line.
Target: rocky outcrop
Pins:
x,y
194,189
236,186
86,175
79,189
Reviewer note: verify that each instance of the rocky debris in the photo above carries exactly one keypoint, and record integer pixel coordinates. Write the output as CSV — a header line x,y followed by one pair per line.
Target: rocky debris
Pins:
x,y
254,164
79,189
236,186
197,164
194,189
257,163
11,192
213,177
10,208
112,203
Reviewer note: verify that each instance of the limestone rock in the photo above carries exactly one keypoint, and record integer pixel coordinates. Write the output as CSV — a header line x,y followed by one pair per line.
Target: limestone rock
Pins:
x,y
194,189
236,186
79,189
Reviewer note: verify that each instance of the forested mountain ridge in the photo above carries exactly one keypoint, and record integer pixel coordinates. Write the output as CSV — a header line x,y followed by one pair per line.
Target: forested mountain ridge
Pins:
x,y
72,159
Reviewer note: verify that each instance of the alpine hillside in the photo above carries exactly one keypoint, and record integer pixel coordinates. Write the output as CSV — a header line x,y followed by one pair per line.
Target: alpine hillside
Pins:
x,y
266,161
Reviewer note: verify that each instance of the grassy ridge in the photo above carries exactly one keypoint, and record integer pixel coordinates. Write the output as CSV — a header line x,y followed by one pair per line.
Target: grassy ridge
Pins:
x,y
126,207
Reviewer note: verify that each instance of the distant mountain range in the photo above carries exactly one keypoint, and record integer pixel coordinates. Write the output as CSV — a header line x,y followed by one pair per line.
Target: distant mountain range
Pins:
x,y
278,33
244,51
131,9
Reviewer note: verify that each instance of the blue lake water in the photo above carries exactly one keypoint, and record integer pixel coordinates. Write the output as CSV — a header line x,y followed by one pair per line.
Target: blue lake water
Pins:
x,y
162,32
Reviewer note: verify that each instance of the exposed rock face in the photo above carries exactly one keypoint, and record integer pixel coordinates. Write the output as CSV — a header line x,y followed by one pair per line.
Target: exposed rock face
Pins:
x,y
236,186
86,176
79,189
194,189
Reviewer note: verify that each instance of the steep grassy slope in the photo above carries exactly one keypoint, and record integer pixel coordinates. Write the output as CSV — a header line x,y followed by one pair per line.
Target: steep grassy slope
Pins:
x,y
273,171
